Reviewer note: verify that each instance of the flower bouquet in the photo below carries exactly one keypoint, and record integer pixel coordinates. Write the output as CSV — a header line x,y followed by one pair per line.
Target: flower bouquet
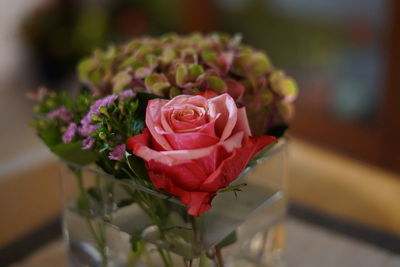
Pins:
x,y
176,151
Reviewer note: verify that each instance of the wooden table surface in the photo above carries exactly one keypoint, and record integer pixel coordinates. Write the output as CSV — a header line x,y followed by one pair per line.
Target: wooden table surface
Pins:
x,y
308,246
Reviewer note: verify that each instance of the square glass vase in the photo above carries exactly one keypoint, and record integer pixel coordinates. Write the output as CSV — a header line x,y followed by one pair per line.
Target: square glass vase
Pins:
x,y
116,222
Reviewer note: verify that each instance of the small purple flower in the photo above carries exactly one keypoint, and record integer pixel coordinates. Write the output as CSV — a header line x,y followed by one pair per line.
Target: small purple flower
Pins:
x,y
103,102
61,113
126,94
86,127
69,133
87,143
117,153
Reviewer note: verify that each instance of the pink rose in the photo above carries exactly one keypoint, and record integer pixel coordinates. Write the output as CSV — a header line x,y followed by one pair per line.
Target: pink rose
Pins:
x,y
194,146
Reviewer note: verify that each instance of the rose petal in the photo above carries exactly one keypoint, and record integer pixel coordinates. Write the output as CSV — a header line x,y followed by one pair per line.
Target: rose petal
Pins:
x,y
224,105
242,124
187,99
199,202
153,114
184,117
188,176
203,136
139,145
191,182
190,140
231,167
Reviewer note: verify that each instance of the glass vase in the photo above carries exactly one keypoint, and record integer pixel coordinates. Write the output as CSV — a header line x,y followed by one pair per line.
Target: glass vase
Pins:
x,y
115,222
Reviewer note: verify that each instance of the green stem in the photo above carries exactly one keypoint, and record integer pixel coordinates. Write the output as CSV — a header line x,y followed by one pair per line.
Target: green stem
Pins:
x,y
100,240
164,258
153,208
169,258
218,256
147,255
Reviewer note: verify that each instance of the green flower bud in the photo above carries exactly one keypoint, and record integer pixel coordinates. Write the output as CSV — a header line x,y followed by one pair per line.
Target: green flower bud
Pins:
x,y
195,71
103,110
283,85
266,96
181,76
251,64
215,84
96,118
133,106
102,136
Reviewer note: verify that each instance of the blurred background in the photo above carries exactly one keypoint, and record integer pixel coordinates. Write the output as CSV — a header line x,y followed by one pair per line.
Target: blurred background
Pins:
x,y
345,152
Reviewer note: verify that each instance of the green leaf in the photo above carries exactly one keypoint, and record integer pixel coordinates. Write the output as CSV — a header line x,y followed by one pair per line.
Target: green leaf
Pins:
x,y
156,83
73,152
136,164
250,64
50,136
168,56
137,126
237,187
230,239
121,81
85,67
82,204
209,57
143,50
159,87
104,147
174,91
151,61
130,62
260,64
142,72
135,242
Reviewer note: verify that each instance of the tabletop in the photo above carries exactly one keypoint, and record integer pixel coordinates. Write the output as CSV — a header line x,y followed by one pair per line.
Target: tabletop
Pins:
x,y
308,246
